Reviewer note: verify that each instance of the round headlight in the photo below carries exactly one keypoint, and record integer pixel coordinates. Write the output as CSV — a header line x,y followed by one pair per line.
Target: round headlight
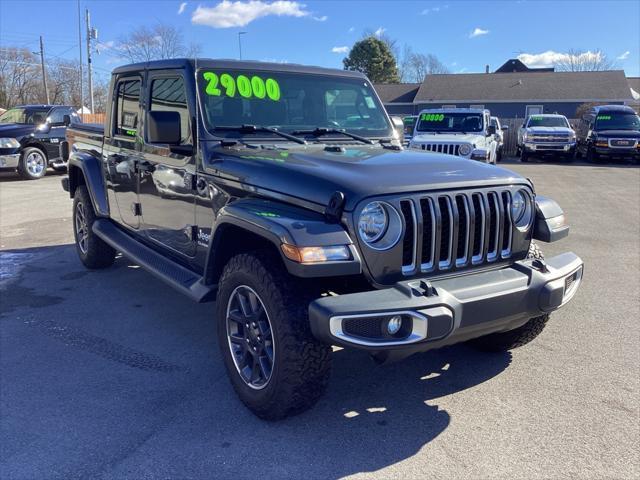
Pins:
x,y
464,150
521,209
373,222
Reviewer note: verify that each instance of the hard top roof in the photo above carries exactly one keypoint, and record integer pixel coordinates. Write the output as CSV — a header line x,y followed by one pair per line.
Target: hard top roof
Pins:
x,y
613,108
176,63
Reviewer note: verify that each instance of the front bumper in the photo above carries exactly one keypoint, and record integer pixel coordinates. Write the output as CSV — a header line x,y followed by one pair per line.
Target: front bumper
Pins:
x,y
550,147
447,311
616,152
10,160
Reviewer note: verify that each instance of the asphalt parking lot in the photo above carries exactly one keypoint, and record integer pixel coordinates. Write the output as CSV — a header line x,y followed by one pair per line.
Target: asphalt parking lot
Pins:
x,y
110,374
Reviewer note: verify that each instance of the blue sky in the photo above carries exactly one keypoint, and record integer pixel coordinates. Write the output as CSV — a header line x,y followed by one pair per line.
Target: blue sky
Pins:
x,y
464,35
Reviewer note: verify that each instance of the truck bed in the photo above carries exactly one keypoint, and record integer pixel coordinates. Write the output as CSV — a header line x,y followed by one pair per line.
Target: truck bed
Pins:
x,y
86,135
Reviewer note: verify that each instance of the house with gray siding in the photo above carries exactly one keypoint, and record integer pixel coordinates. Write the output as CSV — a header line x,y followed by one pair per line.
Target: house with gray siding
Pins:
x,y
510,94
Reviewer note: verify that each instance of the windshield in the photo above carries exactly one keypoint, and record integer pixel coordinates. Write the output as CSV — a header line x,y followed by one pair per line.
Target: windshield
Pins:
x,y
26,116
542,121
409,123
290,102
451,122
617,121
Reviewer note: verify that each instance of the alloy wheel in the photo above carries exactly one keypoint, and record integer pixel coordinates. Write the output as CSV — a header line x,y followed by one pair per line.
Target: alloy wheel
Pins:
x,y
82,229
35,163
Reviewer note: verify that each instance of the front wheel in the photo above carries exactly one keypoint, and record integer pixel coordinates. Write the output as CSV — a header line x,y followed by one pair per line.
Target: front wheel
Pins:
x,y
33,164
504,341
592,157
275,365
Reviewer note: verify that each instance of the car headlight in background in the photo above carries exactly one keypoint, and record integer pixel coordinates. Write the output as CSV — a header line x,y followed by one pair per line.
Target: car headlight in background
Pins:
x,y
521,209
464,150
525,136
572,137
9,143
379,225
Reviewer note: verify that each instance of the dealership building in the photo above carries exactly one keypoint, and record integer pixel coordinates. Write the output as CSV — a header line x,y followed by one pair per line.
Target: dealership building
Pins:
x,y
512,91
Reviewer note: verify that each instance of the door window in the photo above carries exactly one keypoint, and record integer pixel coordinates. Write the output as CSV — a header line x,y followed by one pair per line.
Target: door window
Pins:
x,y
127,101
533,110
169,94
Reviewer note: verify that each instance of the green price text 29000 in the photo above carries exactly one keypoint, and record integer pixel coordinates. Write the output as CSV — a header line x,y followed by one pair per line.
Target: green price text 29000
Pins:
x,y
245,86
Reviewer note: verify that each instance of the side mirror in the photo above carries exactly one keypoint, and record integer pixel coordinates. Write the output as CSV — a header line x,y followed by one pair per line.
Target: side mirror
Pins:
x,y
504,128
66,119
163,127
44,127
491,130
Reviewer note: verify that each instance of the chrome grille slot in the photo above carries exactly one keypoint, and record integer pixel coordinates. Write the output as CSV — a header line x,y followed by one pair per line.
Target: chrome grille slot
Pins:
x,y
410,237
494,226
448,231
506,225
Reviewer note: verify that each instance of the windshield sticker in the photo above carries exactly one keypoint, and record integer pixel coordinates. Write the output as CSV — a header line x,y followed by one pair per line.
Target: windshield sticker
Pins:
x,y
254,87
432,117
604,117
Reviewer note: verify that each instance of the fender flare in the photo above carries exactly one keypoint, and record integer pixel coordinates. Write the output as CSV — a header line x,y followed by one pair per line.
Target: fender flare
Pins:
x,y
550,223
85,169
278,223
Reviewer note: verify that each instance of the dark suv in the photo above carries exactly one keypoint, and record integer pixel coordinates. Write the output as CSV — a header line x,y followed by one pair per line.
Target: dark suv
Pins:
x,y
30,137
609,131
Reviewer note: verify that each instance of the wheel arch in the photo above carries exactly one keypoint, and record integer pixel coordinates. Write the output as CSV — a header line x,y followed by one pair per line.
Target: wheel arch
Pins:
x,y
85,169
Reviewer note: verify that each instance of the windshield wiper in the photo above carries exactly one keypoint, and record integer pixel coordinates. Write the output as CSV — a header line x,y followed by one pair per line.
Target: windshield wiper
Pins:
x,y
319,132
259,129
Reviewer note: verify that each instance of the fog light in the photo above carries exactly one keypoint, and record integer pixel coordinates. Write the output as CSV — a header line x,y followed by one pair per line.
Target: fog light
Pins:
x,y
394,325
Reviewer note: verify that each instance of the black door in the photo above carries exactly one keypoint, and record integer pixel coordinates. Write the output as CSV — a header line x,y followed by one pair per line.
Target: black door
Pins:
x,y
122,151
167,172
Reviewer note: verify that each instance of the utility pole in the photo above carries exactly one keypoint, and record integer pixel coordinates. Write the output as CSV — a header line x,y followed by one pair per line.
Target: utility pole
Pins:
x,y
44,73
90,35
240,42
80,51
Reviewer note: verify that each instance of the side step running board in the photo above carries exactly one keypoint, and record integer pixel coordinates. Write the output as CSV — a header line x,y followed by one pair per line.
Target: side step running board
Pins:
x,y
180,278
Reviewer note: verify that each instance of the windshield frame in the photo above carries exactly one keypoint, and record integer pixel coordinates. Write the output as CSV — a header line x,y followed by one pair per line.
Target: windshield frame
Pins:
x,y
597,126
549,117
46,111
210,130
481,115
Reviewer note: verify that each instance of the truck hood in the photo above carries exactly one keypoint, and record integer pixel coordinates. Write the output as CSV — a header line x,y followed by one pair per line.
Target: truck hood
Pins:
x,y
447,138
312,174
15,130
549,130
618,134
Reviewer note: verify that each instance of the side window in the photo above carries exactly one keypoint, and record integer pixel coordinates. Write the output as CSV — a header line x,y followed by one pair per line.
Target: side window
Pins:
x,y
169,94
126,108
56,116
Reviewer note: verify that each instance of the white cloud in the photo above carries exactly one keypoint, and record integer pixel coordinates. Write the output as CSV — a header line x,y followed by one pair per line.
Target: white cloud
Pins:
x,y
550,58
323,18
478,32
227,14
183,5
453,64
379,31
624,56
352,29
340,49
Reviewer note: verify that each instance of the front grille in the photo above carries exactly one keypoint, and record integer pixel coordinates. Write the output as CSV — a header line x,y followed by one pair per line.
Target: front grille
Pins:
x,y
448,148
622,142
455,230
552,138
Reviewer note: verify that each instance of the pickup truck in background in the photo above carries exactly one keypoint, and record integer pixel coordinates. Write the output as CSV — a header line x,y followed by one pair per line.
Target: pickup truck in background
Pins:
x,y
282,192
546,135
608,132
464,132
500,130
30,137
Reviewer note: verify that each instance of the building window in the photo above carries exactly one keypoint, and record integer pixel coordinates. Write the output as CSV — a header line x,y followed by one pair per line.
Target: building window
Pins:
x,y
533,110
481,107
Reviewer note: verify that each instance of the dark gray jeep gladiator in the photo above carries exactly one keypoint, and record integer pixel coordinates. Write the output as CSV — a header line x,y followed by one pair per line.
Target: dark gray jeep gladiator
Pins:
x,y
282,192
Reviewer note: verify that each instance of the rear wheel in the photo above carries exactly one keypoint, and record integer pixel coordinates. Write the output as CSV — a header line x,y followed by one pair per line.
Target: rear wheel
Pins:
x,y
503,341
92,250
275,365
33,164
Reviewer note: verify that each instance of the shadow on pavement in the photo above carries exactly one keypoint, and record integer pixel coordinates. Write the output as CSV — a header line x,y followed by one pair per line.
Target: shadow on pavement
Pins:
x,y
141,390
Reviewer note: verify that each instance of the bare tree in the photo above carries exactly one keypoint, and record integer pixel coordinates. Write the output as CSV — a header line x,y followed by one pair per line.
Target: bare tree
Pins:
x,y
584,61
415,66
20,78
155,43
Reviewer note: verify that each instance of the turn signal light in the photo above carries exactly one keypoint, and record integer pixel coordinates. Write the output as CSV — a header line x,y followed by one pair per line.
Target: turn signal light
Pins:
x,y
333,253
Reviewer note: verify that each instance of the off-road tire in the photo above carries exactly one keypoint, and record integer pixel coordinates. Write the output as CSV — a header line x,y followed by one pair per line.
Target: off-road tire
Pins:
x,y
301,365
23,168
97,254
504,341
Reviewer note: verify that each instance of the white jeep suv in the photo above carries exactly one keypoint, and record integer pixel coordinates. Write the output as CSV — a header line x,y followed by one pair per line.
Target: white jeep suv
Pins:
x,y
465,132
